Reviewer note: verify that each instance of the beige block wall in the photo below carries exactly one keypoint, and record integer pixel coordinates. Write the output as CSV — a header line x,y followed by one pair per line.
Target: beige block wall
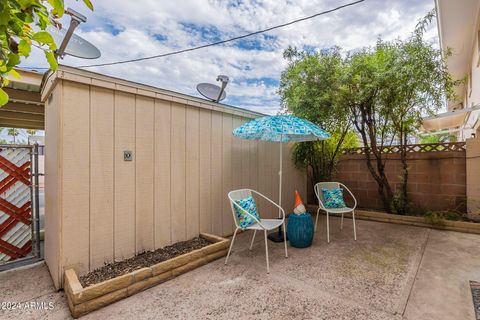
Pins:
x,y
473,176
436,180
100,208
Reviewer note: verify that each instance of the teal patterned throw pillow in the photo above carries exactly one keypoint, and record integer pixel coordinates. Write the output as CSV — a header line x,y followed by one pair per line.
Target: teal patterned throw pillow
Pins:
x,y
333,198
249,205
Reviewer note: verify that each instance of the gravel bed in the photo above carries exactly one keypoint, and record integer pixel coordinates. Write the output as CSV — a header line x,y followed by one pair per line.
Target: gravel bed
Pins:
x,y
142,260
475,286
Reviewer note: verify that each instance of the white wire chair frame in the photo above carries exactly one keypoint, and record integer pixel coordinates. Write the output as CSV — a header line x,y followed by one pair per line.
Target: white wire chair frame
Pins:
x,y
260,224
332,185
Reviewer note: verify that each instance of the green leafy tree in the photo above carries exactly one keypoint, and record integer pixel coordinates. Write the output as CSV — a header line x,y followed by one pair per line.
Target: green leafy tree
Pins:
x,y
382,92
418,84
320,158
388,89
308,88
362,82
22,25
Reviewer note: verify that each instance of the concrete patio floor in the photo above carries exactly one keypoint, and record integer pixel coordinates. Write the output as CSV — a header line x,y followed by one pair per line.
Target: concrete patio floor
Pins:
x,y
391,272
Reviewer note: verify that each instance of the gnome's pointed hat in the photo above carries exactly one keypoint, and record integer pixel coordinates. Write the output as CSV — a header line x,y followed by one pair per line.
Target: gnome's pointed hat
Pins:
x,y
298,207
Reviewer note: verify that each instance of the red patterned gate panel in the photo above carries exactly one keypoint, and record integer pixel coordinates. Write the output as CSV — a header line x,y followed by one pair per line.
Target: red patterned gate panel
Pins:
x,y
15,203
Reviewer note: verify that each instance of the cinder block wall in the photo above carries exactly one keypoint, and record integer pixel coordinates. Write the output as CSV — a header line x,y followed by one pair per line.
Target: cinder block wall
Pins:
x,y
437,180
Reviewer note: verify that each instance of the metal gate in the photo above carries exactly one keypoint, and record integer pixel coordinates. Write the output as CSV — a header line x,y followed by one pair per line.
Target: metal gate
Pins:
x,y
19,206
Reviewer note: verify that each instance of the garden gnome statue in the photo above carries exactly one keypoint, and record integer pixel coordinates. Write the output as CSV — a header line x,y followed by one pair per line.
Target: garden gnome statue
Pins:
x,y
299,207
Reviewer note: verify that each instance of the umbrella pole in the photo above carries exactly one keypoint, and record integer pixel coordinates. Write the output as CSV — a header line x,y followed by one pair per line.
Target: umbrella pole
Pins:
x,y
280,180
279,236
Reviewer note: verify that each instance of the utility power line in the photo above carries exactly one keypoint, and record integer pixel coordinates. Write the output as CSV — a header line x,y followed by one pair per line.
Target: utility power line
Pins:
x,y
222,41
214,43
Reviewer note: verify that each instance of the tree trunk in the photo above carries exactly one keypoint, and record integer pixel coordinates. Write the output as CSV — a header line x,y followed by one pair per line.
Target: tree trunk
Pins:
x,y
403,157
384,189
365,124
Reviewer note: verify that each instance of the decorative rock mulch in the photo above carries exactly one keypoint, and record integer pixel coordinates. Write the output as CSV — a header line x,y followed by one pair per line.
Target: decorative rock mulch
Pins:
x,y
142,260
82,300
475,286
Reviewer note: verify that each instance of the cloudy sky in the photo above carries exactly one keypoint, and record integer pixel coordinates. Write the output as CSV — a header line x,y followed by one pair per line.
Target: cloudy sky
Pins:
x,y
132,29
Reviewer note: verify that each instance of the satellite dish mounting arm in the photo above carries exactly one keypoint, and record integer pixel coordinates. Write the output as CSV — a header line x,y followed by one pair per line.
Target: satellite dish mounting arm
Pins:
x,y
75,21
224,80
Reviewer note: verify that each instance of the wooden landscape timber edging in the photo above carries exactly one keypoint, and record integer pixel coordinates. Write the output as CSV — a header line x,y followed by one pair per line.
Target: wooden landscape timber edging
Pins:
x,y
84,300
459,226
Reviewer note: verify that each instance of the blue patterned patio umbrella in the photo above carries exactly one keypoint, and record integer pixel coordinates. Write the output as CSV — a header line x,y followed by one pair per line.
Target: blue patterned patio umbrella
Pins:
x,y
280,128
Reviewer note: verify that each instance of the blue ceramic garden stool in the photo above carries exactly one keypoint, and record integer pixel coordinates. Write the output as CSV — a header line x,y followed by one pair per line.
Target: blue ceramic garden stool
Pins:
x,y
300,230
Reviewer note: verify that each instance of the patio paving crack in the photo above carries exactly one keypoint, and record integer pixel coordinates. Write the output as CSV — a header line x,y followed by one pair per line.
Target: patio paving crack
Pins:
x,y
416,272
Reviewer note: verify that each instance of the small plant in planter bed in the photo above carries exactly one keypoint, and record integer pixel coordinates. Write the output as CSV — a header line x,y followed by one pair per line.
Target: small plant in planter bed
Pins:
x,y
438,218
122,279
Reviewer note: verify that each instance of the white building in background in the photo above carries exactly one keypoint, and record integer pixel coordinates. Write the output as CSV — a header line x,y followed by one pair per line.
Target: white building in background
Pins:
x,y
459,29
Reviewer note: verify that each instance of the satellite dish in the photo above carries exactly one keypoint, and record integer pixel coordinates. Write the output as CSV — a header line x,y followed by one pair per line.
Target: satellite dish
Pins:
x,y
69,43
76,47
212,91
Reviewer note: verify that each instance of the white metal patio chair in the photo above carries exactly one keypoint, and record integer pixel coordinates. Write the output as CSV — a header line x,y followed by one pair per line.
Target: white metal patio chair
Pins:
x,y
261,224
333,185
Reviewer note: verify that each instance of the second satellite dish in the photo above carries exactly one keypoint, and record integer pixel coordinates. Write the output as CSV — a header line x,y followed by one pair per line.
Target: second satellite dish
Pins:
x,y
212,91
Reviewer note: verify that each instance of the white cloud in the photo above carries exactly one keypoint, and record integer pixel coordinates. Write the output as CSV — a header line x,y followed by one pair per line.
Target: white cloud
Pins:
x,y
131,29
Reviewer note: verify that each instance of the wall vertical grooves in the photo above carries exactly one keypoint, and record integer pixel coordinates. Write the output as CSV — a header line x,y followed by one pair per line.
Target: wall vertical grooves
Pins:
x,y
154,175
185,161
124,176
135,180
144,172
162,173
101,185
89,178
114,168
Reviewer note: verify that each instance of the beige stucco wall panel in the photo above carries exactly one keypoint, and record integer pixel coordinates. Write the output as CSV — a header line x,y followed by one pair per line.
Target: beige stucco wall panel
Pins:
x,y
144,169
101,176
227,156
75,170
178,182
216,171
192,172
205,171
124,176
53,184
163,211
